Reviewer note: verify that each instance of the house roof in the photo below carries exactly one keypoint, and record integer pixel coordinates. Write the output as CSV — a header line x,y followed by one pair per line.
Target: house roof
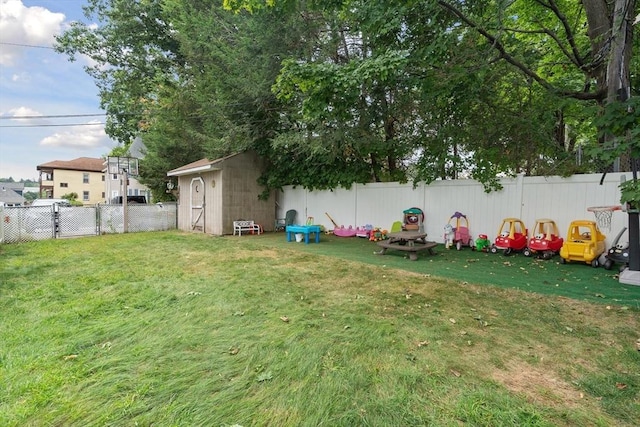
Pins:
x,y
12,185
9,196
87,164
202,165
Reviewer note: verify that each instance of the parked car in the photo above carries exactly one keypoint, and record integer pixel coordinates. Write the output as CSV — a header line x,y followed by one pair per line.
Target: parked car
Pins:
x,y
50,202
130,199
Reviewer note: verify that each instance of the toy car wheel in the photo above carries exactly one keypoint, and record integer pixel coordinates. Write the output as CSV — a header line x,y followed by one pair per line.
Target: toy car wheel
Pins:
x,y
526,252
458,245
608,264
508,251
547,255
563,261
493,250
595,263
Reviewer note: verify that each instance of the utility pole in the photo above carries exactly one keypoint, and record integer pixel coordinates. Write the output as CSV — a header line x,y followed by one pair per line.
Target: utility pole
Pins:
x,y
125,190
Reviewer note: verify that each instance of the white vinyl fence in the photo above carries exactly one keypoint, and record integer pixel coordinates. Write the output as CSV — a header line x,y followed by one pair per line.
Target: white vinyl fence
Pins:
x,y
527,198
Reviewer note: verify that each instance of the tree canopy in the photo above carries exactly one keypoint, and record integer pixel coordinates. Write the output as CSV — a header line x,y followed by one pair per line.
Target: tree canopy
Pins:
x,y
334,92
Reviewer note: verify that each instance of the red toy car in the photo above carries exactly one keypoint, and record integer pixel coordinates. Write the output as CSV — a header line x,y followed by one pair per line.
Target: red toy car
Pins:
x,y
546,241
512,236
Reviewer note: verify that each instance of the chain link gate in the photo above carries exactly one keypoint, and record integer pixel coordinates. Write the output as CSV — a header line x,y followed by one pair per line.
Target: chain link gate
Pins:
x,y
30,223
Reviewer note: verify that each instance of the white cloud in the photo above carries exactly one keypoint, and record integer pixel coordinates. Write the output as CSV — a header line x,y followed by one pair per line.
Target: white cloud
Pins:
x,y
86,137
21,25
22,111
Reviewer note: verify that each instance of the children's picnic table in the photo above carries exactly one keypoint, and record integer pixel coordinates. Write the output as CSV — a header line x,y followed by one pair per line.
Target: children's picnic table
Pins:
x,y
409,241
303,229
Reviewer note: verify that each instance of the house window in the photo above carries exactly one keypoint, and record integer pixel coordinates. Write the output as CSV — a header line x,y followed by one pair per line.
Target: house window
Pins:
x,y
103,194
114,176
64,185
85,178
102,178
85,196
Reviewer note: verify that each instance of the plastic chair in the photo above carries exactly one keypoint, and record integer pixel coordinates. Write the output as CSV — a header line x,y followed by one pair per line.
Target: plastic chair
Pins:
x,y
289,219
396,226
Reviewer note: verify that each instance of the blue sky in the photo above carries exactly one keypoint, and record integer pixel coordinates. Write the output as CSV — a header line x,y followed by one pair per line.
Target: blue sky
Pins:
x,y
37,81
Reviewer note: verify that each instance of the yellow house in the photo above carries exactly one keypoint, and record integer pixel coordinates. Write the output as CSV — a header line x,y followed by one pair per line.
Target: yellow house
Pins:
x,y
84,176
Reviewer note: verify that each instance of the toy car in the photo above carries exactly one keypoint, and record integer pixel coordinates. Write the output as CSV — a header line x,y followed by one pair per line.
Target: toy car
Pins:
x,y
512,236
458,235
619,252
546,241
584,243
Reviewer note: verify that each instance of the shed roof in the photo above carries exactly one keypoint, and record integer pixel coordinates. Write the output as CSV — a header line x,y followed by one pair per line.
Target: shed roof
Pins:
x,y
87,164
202,165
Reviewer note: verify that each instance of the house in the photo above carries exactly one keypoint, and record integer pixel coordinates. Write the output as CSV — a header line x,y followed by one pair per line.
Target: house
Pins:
x,y
214,193
83,176
11,193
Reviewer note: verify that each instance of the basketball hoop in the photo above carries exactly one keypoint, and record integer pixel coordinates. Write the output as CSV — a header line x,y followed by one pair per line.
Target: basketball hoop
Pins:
x,y
603,215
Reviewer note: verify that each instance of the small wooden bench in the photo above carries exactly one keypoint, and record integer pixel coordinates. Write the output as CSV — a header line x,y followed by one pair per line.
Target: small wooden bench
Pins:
x,y
412,249
246,226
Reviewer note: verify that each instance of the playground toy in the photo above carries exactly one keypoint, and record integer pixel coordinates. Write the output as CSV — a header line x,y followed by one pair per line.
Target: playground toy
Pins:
x,y
413,219
364,231
482,243
618,253
584,243
512,236
343,231
603,215
546,241
458,235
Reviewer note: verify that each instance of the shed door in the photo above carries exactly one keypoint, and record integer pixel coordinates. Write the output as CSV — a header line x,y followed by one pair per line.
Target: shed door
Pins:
x,y
197,204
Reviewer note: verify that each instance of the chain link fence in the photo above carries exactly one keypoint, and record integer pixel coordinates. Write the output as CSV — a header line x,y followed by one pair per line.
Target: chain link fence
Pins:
x,y
30,223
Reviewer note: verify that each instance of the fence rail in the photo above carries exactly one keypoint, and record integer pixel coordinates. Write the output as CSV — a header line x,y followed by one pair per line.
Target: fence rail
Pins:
x,y
30,223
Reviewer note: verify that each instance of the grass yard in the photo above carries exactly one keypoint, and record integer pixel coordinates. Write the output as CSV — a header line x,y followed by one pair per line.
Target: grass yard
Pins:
x,y
173,329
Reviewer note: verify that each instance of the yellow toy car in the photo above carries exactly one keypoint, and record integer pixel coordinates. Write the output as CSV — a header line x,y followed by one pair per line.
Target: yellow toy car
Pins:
x,y
584,243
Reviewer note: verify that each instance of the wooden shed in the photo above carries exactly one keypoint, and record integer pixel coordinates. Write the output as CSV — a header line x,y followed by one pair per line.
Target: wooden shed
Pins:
x,y
214,193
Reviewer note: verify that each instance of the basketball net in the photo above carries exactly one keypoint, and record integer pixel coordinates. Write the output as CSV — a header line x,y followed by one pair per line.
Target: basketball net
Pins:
x,y
603,215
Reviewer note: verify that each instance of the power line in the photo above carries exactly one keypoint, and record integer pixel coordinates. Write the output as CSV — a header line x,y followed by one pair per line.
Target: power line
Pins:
x,y
55,116
27,45
52,125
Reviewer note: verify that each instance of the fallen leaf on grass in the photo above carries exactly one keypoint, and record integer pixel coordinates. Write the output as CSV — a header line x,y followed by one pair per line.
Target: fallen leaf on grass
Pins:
x,y
455,373
71,357
621,386
265,376
423,343
233,350
285,319
452,320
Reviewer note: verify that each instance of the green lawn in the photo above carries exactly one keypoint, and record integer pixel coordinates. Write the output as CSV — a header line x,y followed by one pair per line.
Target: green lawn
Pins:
x,y
173,329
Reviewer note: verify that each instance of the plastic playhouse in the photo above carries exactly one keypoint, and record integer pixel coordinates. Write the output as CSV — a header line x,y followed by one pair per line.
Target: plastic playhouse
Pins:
x,y
457,234
512,236
413,219
584,243
546,241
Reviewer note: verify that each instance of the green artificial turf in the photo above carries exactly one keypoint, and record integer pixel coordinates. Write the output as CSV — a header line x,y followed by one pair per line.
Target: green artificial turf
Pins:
x,y
573,280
